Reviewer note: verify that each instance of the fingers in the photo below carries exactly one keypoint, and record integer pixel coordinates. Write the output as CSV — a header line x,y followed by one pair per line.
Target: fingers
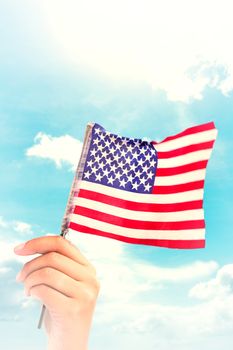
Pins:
x,y
53,279
46,244
58,262
51,298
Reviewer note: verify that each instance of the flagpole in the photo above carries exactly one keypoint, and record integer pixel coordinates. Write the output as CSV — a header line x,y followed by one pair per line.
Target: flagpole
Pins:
x,y
41,316
74,188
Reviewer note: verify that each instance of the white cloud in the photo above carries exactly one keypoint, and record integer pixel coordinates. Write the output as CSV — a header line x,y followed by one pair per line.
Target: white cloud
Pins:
x,y
4,270
219,286
128,302
58,149
15,227
23,227
192,271
13,233
123,277
181,47
169,325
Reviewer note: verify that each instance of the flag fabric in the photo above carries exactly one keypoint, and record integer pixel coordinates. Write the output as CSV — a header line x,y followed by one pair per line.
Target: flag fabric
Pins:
x,y
142,192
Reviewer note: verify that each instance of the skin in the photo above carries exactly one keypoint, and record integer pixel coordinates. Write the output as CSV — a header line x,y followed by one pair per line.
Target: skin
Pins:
x,y
65,282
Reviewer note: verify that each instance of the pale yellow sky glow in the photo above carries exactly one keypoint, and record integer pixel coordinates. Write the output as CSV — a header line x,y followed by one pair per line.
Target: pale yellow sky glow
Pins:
x,y
152,41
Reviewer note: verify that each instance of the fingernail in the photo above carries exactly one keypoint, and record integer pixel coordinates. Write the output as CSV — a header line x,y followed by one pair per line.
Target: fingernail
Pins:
x,y
19,247
27,292
19,276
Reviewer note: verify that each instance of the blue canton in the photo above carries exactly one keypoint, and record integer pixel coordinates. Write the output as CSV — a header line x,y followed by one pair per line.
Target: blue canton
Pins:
x,y
120,162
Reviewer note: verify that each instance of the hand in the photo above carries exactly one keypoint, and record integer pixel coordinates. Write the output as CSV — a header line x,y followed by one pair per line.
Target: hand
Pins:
x,y
65,282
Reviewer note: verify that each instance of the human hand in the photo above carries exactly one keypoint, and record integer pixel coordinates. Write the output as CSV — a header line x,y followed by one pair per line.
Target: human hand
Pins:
x,y
65,282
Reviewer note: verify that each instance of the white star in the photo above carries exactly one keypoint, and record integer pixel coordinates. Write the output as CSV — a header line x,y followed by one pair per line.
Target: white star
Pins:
x,y
107,133
100,148
150,175
113,167
153,162
133,167
102,136
145,168
135,186
112,138
98,177
101,165
121,163
125,171
124,141
140,162
147,187
105,172
87,174
130,178
111,150
108,160
123,182
153,150
148,156
93,152
128,160
116,157
138,173
90,163
104,154
143,180
130,148
137,143
107,143
110,180
143,150
123,153
118,146
118,175
97,158
95,141
97,131
94,169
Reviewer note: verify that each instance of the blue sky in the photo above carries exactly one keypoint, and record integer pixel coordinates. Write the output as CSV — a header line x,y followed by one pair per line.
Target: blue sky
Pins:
x,y
64,65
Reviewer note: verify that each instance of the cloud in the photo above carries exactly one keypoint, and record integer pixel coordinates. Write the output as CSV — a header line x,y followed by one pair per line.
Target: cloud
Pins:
x,y
168,324
116,268
13,233
63,149
15,227
220,286
23,227
130,303
165,48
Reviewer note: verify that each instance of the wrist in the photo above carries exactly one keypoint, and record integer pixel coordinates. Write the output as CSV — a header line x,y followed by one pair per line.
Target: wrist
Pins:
x,y
67,342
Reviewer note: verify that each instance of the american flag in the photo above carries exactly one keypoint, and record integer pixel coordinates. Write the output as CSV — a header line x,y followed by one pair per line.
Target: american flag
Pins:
x,y
142,192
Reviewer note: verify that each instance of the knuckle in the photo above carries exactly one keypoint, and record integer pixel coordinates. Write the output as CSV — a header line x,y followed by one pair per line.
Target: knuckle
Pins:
x,y
38,291
52,257
25,268
46,272
92,269
96,285
90,297
59,240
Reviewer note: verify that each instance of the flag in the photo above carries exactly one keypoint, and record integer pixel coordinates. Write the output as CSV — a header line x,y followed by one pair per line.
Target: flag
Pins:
x,y
142,192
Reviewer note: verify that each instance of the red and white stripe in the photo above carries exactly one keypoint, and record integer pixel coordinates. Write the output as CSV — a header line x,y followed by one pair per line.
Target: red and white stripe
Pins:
x,y
172,216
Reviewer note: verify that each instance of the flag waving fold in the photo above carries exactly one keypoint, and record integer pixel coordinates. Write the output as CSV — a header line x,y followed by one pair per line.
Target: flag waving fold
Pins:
x,y
142,192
